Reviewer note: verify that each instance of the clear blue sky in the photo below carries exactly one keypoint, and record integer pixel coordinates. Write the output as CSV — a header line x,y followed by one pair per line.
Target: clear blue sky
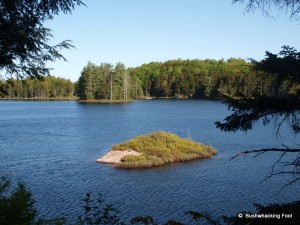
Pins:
x,y
140,31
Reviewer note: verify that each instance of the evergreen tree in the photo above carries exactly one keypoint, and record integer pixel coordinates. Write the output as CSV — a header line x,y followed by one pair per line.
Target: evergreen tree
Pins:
x,y
290,7
26,52
279,108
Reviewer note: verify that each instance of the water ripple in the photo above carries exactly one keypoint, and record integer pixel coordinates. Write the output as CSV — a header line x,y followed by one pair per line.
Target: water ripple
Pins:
x,y
53,146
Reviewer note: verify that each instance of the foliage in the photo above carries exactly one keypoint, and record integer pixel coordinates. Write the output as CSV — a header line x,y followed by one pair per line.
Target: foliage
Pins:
x,y
159,148
173,79
48,87
282,107
284,67
199,78
104,82
290,7
247,111
97,214
26,52
17,206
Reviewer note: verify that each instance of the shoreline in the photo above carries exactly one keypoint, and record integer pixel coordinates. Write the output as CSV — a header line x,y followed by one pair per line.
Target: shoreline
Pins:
x,y
104,101
75,99
41,99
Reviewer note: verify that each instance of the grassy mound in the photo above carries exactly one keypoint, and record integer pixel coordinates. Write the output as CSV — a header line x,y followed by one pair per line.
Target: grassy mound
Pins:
x,y
103,101
159,148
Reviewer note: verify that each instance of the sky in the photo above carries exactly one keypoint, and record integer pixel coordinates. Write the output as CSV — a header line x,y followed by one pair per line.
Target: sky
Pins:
x,y
135,32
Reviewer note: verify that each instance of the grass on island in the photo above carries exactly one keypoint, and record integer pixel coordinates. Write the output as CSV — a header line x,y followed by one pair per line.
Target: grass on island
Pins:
x,y
159,148
104,101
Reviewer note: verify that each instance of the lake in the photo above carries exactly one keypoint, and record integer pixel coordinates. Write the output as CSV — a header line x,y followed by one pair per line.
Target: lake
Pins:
x,y
53,148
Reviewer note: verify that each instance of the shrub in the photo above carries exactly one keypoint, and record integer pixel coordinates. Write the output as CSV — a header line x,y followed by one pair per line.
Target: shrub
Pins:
x,y
159,148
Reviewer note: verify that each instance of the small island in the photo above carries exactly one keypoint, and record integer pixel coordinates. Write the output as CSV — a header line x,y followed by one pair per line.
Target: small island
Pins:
x,y
155,149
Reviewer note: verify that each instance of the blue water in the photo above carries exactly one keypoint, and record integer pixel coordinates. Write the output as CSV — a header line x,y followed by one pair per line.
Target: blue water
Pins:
x,y
53,148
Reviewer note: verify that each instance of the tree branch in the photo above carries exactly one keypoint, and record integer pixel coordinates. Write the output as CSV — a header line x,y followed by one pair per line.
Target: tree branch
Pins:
x,y
291,150
286,165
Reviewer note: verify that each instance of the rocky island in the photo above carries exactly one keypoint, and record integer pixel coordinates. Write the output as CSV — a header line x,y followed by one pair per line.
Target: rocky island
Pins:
x,y
155,149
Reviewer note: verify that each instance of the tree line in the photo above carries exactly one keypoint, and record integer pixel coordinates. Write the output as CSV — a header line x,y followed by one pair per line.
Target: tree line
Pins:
x,y
210,79
174,79
47,87
179,78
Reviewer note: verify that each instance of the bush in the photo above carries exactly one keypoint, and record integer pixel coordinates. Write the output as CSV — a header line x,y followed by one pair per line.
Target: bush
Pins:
x,y
16,206
159,148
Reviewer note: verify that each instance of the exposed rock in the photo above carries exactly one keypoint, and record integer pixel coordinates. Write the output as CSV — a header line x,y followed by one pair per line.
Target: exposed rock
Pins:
x,y
115,156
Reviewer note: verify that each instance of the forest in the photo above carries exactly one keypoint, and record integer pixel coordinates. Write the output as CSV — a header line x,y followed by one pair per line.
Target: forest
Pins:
x,y
203,79
34,88
208,78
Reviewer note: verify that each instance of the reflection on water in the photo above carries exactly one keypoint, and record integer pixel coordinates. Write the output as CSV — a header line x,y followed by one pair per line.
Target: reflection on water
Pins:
x,y
53,146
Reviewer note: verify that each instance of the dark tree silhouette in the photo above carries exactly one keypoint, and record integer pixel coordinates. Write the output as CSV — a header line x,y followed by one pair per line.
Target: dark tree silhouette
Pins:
x,y
290,7
280,108
24,41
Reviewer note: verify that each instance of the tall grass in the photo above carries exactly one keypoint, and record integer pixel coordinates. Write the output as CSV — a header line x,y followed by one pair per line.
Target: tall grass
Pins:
x,y
159,148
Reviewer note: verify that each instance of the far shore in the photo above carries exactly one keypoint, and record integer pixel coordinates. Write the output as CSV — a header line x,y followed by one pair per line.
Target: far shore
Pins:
x,y
103,101
75,99
41,99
